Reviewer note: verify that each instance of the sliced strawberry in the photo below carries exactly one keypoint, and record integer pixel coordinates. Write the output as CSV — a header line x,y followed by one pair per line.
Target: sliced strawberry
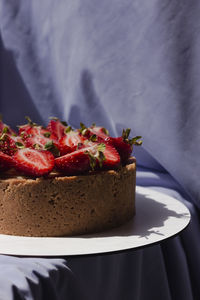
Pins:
x,y
34,162
70,141
95,133
10,143
24,129
37,137
79,161
40,138
73,163
38,141
111,158
124,149
99,131
34,131
123,144
57,127
88,158
6,161
37,131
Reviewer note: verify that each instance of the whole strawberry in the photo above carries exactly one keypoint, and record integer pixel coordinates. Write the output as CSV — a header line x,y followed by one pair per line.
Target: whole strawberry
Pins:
x,y
123,144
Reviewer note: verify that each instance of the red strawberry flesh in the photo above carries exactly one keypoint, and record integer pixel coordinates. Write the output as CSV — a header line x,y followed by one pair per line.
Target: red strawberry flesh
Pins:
x,y
100,132
34,162
112,157
124,149
70,141
9,143
32,152
6,161
5,127
73,163
79,161
40,141
57,128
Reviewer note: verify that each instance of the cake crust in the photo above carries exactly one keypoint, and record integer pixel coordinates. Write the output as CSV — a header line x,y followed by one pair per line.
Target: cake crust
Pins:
x,y
67,205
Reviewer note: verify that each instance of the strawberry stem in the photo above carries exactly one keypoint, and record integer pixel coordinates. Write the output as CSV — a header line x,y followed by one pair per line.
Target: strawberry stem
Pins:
x,y
19,145
53,118
101,147
92,159
125,133
3,137
83,130
50,146
64,123
68,129
56,119
133,141
47,134
5,130
37,146
105,131
93,138
30,122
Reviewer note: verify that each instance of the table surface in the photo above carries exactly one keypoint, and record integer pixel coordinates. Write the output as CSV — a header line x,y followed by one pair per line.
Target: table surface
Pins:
x,y
158,217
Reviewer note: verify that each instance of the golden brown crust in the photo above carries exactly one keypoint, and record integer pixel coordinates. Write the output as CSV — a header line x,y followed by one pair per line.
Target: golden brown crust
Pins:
x,y
67,205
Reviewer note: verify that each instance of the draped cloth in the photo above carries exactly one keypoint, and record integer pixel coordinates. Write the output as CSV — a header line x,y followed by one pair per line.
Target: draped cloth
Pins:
x,y
119,64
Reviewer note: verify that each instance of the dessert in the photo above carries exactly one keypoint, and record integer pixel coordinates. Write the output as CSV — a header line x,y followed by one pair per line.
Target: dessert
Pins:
x,y
58,181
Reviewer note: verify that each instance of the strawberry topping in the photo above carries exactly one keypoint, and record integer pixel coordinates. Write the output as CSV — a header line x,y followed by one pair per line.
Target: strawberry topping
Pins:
x,y
25,130
73,163
6,129
57,127
112,157
10,143
70,142
95,133
41,142
123,144
36,150
88,158
6,161
34,162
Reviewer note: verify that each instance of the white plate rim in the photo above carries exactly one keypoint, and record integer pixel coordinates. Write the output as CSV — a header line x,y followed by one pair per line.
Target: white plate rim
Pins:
x,y
119,239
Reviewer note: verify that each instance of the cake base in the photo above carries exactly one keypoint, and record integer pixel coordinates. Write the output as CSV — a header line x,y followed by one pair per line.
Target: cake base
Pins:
x,y
67,205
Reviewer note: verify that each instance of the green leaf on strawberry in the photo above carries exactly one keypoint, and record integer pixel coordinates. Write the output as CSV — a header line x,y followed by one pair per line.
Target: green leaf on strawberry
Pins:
x,y
50,146
30,122
47,134
19,145
132,141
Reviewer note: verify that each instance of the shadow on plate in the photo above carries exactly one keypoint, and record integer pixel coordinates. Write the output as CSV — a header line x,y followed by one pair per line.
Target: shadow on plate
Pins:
x,y
149,219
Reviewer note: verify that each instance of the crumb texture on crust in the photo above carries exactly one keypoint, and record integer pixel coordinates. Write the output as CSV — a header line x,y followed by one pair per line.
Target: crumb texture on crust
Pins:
x,y
66,206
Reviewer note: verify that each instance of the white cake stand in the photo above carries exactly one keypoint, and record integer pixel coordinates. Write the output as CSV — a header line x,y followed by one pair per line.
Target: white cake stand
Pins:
x,y
158,217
